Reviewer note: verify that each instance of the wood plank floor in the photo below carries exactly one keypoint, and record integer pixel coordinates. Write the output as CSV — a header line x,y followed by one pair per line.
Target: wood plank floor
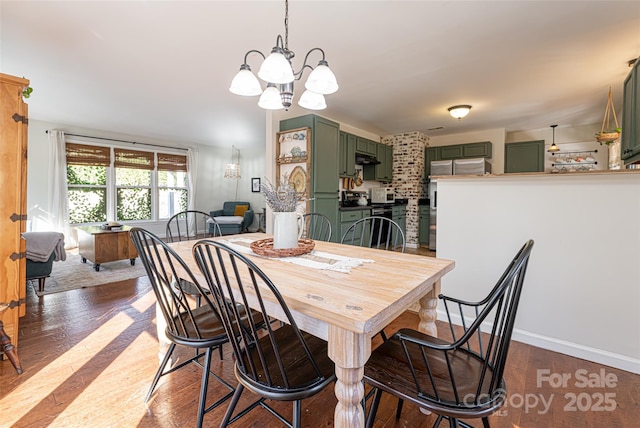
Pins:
x,y
89,356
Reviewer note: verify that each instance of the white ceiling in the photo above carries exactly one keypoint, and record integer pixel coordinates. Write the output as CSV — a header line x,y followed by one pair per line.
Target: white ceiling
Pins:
x,y
162,69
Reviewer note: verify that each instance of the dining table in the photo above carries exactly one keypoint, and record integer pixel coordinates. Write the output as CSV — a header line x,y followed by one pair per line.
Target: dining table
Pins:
x,y
346,301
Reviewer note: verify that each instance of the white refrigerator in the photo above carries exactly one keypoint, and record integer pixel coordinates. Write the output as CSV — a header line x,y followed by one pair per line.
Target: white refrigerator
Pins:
x,y
472,166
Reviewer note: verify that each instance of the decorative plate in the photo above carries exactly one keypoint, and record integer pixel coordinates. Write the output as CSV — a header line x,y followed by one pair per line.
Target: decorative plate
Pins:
x,y
298,179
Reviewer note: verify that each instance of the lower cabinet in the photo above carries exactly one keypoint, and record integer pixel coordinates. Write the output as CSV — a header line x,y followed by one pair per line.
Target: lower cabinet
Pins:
x,y
423,224
399,215
327,204
347,218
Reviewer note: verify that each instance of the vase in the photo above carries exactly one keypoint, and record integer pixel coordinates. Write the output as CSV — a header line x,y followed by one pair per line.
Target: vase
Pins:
x,y
287,229
615,155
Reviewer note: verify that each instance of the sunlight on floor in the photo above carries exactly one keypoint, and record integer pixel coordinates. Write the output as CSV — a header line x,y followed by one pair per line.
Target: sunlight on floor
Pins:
x,y
67,366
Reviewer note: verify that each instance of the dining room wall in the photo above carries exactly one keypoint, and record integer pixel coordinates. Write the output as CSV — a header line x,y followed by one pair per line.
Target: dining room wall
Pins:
x,y
581,294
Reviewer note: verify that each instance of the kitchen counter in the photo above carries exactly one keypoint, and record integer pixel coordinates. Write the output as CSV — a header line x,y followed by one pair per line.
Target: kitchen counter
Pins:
x,y
538,174
356,208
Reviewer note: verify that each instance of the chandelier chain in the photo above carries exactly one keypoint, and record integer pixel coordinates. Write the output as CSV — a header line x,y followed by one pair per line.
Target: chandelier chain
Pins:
x,y
286,24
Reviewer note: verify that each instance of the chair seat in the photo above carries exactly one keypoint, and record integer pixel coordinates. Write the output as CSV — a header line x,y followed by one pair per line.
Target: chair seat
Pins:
x,y
229,219
388,368
303,382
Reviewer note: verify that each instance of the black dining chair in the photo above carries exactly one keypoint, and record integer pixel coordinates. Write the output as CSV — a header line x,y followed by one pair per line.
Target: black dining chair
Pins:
x,y
198,327
462,379
279,363
375,232
317,227
189,225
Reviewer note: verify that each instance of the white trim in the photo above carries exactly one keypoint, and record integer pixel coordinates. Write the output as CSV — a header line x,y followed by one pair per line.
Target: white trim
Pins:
x,y
588,353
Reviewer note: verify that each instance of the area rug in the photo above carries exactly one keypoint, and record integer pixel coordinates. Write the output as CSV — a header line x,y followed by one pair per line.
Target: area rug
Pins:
x,y
72,274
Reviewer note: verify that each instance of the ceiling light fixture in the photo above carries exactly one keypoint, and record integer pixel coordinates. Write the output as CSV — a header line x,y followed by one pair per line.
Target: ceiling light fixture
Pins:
x,y
553,148
459,111
232,170
277,71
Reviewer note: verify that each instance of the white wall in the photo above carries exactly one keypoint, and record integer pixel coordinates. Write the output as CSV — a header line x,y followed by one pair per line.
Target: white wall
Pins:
x,y
582,292
211,188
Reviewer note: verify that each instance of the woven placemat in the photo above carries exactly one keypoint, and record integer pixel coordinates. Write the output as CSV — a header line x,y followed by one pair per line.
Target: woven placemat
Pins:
x,y
264,247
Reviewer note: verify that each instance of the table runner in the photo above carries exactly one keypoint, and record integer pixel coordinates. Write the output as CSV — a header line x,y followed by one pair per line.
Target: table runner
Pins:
x,y
314,259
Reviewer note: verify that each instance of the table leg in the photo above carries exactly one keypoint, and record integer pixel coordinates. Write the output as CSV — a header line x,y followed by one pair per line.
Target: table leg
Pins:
x,y
9,350
349,351
428,314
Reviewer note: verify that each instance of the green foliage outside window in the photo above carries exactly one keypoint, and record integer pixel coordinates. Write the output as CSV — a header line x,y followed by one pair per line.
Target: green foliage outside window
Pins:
x,y
133,204
87,193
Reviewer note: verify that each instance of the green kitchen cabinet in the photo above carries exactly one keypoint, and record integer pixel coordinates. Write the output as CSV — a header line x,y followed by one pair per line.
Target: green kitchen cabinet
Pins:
x,y
451,152
477,150
347,218
366,146
325,145
399,215
430,154
525,156
382,171
423,225
347,155
630,139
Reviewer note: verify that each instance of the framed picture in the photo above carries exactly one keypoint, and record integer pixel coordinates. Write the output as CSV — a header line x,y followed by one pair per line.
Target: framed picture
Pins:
x,y
255,185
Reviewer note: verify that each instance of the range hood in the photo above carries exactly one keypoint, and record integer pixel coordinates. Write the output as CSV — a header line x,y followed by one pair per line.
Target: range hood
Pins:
x,y
363,159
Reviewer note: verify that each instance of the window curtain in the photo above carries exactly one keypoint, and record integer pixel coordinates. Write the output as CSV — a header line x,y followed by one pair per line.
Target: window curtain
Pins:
x,y
58,202
192,173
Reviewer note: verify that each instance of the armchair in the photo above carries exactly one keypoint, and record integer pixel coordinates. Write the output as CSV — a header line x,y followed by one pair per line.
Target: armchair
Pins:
x,y
234,217
43,248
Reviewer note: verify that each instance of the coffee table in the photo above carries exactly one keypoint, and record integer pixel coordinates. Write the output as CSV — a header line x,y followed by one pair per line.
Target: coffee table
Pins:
x,y
105,245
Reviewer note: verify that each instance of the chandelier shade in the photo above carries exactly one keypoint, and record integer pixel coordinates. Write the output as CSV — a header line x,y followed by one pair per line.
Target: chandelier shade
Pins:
x,y
232,170
278,72
312,101
245,83
270,98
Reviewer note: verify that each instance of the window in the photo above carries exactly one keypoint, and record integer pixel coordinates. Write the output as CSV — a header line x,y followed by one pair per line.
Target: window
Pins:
x,y
137,186
87,182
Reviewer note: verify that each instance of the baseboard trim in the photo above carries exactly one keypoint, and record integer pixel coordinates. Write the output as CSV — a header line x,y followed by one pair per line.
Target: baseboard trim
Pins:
x,y
572,349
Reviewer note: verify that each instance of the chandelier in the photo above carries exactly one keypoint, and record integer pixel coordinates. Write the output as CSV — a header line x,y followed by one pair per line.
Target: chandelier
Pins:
x,y
277,71
232,170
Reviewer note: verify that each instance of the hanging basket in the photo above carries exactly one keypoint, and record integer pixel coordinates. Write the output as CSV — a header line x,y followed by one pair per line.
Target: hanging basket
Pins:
x,y
607,134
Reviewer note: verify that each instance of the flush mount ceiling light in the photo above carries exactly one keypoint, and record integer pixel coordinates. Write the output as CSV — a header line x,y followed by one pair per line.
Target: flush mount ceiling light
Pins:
x,y
459,111
553,147
277,71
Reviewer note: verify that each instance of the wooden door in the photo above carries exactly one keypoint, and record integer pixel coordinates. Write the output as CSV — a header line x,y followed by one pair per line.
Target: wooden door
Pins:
x,y
13,203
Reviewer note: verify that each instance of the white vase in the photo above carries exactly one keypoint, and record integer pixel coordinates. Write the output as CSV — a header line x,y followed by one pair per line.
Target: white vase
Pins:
x,y
615,155
287,229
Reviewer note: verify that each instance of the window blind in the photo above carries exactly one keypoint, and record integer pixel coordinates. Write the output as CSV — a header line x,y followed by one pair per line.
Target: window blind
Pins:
x,y
167,162
81,154
134,159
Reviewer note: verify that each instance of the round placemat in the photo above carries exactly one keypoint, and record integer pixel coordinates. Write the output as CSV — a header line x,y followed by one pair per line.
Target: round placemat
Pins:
x,y
264,247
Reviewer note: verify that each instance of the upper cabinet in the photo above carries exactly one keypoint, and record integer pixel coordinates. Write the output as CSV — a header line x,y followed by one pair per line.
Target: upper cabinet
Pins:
x,y
471,150
630,142
347,155
366,146
526,156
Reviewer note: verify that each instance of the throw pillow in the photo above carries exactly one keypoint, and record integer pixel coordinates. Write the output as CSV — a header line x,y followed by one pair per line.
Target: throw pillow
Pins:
x,y
240,210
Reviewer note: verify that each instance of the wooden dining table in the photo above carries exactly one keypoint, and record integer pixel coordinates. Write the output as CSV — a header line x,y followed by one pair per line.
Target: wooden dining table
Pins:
x,y
348,308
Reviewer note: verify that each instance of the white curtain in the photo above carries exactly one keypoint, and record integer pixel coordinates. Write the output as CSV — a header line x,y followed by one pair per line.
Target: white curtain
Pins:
x,y
192,173
58,202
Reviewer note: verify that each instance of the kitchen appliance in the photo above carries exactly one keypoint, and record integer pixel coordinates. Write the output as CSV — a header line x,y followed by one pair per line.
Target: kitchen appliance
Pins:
x,y
353,199
382,195
471,166
442,167
381,210
474,166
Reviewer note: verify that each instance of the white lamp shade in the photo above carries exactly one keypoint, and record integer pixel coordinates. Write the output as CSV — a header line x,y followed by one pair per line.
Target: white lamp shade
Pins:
x,y
270,99
322,80
312,101
245,83
276,69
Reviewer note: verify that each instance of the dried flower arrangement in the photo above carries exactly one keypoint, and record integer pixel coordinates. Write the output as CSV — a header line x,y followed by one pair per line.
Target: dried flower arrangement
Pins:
x,y
284,198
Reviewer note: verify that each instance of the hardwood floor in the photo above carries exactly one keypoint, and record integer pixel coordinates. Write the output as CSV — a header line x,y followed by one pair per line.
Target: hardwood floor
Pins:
x,y
89,356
